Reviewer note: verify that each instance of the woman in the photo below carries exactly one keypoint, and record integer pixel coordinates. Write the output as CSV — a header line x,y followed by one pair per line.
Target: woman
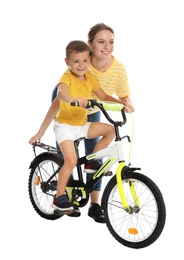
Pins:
x,y
112,77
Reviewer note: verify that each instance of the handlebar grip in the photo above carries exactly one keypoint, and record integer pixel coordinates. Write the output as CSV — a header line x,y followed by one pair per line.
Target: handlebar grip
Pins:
x,y
75,104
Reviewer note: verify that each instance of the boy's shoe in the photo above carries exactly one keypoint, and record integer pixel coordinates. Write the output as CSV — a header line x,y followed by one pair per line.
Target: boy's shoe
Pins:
x,y
96,212
92,167
75,212
62,203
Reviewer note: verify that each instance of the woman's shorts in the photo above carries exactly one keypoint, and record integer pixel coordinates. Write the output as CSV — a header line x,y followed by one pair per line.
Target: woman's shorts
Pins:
x,y
69,132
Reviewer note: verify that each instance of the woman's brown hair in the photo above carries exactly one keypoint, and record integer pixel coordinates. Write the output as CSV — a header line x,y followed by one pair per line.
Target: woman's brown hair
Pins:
x,y
97,28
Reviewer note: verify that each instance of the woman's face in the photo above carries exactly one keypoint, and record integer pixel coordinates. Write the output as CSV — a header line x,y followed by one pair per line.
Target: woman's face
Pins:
x,y
103,45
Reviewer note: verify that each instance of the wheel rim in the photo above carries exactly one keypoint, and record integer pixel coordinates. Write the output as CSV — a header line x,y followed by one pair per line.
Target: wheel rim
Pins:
x,y
42,200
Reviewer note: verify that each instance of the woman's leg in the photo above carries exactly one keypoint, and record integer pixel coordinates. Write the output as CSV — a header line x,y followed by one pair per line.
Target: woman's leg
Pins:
x,y
91,143
107,132
89,147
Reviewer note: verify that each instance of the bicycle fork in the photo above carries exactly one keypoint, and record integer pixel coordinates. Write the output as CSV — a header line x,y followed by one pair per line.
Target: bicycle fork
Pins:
x,y
122,168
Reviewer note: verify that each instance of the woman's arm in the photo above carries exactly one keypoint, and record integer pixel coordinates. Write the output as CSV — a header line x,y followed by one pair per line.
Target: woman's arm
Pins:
x,y
105,97
126,100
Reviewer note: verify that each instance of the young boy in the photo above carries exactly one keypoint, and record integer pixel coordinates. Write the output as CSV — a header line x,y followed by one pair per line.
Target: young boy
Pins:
x,y
76,84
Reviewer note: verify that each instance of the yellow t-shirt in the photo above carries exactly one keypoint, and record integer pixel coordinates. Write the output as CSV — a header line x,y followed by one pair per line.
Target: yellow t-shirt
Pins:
x,y
76,88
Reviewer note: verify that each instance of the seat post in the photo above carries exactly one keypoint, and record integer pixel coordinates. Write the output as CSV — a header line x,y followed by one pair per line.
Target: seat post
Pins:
x,y
79,168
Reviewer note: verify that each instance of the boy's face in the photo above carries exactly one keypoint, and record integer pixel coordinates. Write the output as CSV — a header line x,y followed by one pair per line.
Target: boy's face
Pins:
x,y
78,63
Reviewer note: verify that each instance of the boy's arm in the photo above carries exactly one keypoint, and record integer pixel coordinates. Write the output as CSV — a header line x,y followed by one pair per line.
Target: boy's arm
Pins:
x,y
54,108
65,97
62,93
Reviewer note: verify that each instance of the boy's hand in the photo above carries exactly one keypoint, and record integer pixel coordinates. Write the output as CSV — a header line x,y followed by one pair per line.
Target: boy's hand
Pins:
x,y
35,138
82,102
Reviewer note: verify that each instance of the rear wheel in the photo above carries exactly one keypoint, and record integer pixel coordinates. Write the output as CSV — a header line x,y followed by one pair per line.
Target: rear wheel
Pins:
x,y
41,191
144,223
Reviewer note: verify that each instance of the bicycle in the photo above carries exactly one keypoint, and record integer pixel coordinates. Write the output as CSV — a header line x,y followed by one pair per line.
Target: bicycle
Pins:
x,y
133,205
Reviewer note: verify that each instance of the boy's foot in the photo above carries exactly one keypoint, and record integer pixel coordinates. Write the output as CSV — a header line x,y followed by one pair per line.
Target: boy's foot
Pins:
x,y
75,212
96,212
92,167
62,203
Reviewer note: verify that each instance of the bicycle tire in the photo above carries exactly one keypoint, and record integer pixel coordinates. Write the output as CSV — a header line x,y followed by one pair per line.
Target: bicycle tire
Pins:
x,y
42,167
139,229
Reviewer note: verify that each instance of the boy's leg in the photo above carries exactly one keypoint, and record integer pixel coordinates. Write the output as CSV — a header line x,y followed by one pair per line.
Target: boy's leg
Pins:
x,y
70,160
60,154
76,211
101,129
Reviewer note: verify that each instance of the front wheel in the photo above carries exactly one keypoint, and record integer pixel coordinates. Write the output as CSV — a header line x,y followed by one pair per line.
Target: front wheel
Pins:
x,y
141,226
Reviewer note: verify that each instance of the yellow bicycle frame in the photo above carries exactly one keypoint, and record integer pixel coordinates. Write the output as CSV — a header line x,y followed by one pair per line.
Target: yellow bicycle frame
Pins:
x,y
121,190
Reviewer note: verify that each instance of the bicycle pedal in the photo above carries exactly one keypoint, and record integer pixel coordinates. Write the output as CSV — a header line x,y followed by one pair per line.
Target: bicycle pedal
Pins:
x,y
109,173
61,213
58,212
67,212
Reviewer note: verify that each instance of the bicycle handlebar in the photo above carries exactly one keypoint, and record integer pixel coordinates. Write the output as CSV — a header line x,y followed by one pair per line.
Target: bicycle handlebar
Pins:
x,y
104,107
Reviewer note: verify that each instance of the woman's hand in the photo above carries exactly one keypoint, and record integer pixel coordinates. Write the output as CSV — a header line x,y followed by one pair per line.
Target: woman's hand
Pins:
x,y
129,107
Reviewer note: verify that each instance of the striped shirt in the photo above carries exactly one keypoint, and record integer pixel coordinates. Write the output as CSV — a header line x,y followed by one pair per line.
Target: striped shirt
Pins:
x,y
113,81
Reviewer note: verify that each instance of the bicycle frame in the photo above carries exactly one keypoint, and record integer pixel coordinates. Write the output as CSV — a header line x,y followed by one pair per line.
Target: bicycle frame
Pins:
x,y
133,223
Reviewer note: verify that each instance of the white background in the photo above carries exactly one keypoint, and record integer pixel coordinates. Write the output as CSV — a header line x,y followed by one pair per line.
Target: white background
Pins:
x,y
149,42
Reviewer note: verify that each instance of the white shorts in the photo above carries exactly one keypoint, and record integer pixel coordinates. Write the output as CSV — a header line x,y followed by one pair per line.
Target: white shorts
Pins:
x,y
69,132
